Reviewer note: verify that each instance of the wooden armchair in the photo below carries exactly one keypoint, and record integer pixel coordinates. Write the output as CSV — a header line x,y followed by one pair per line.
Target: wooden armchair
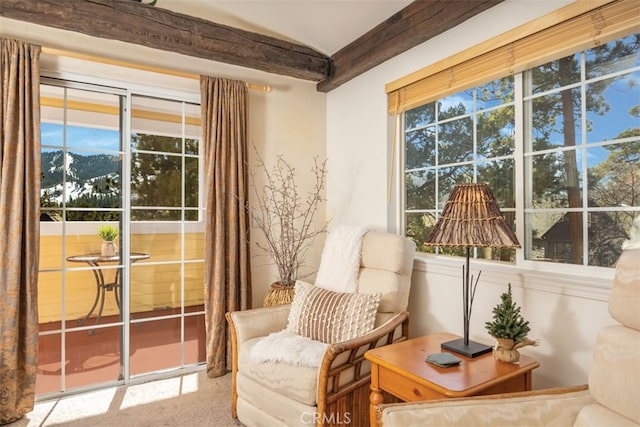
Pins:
x,y
336,392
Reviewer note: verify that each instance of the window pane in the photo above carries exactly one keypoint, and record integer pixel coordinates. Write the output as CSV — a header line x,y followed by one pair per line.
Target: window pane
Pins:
x,y
612,108
195,339
496,132
420,189
455,141
93,358
156,179
152,116
555,74
499,176
80,180
495,93
194,246
557,180
418,227
421,147
163,241
496,254
49,373
191,215
614,56
555,120
556,236
449,177
614,175
93,120
155,287
49,299
607,231
193,129
191,182
455,105
420,116
52,116
144,351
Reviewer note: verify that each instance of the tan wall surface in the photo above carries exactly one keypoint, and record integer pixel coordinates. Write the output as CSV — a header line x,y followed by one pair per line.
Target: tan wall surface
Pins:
x,y
153,286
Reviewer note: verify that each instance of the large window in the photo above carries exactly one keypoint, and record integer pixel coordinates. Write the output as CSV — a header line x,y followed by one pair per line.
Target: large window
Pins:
x,y
567,130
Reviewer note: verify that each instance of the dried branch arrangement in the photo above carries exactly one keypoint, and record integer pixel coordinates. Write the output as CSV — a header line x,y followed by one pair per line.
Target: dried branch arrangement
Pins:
x,y
285,216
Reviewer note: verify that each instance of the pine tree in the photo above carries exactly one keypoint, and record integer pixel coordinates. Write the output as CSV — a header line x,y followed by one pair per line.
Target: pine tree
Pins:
x,y
507,321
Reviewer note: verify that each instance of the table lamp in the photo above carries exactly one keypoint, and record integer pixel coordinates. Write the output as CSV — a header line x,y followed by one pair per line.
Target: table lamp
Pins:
x,y
470,218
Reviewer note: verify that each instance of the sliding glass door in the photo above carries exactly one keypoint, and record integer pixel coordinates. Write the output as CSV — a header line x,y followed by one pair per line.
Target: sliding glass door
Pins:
x,y
131,162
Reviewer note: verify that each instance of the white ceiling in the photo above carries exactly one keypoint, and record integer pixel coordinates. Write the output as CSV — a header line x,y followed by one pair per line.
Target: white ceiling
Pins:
x,y
324,25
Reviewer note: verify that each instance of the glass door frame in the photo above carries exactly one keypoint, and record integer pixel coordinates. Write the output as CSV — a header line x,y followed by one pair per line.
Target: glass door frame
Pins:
x,y
125,155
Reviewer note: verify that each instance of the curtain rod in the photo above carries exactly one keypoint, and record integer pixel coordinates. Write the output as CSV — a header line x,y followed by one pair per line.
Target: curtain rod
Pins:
x,y
51,51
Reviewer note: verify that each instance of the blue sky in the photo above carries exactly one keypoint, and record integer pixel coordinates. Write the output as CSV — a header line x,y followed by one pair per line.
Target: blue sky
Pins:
x,y
79,138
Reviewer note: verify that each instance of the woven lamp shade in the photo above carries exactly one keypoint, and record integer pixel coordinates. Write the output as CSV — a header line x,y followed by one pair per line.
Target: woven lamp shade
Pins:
x,y
471,217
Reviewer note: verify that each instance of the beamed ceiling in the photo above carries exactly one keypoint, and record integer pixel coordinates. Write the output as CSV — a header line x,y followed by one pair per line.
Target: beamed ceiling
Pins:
x,y
160,28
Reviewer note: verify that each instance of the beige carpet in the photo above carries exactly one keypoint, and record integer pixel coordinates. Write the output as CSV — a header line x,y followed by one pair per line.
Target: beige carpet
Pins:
x,y
189,400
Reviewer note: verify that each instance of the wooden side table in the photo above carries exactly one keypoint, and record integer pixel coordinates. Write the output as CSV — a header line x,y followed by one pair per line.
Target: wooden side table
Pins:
x,y
401,370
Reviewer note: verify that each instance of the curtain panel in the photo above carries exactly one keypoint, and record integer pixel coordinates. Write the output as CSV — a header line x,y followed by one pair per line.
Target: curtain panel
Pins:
x,y
19,225
227,262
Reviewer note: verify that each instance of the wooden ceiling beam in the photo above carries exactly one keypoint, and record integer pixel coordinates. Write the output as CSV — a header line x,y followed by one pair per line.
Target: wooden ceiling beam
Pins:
x,y
413,25
158,28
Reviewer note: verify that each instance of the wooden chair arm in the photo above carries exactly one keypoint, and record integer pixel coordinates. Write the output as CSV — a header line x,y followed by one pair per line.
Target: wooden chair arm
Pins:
x,y
342,368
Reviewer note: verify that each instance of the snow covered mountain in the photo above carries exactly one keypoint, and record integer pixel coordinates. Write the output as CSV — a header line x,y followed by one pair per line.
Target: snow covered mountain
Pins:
x,y
76,177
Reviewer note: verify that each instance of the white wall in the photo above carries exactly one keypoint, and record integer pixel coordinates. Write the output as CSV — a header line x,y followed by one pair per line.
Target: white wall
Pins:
x,y
288,121
565,310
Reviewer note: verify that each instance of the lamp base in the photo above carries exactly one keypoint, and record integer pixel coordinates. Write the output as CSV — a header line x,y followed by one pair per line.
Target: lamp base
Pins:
x,y
473,349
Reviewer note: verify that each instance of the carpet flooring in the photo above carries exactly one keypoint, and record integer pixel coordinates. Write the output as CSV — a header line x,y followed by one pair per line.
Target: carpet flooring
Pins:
x,y
192,400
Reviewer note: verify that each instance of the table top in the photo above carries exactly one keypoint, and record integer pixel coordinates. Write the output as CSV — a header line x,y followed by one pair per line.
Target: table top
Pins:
x,y
97,257
407,358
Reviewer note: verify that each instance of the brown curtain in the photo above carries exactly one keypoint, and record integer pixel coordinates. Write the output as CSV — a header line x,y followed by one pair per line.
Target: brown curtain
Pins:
x,y
20,225
227,267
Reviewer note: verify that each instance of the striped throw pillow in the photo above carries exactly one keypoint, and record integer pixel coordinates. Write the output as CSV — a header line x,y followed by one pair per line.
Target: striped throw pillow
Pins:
x,y
329,316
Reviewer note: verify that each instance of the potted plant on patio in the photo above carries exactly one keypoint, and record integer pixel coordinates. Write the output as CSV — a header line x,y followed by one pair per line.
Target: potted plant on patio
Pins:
x,y
509,329
286,218
108,233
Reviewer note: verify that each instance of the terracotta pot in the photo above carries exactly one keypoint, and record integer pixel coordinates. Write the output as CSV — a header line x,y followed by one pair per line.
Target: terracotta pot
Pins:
x,y
505,351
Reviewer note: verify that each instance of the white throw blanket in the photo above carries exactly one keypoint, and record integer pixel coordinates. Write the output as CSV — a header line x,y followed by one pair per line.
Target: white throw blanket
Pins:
x,y
340,261
287,347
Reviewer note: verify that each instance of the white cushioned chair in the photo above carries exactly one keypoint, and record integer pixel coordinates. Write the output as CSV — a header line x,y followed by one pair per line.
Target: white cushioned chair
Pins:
x,y
612,397
336,392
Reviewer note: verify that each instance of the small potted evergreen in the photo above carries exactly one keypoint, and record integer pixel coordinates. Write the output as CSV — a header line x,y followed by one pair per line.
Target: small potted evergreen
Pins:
x,y
509,329
108,233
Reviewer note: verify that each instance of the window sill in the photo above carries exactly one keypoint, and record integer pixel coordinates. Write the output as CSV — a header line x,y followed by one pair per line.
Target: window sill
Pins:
x,y
582,282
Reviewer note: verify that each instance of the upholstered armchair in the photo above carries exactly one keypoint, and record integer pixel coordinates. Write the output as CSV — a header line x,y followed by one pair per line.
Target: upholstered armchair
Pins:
x,y
336,392
612,397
